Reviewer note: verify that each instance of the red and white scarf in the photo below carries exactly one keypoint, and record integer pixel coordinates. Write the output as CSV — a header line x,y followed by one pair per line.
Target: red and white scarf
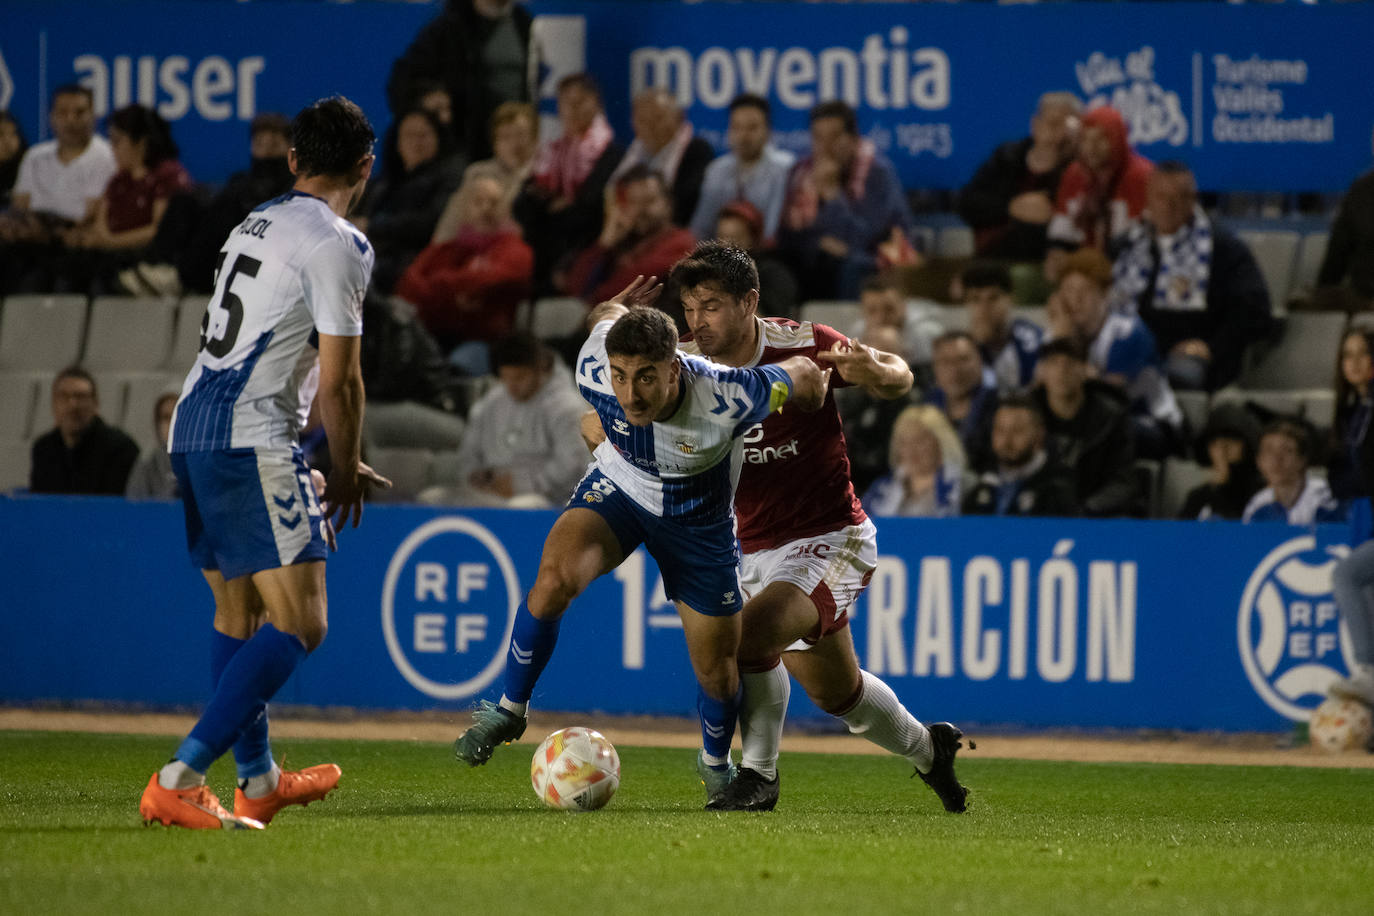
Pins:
x,y
564,164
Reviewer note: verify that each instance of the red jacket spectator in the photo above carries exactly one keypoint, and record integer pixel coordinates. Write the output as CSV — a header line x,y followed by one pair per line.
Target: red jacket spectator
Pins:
x,y
1102,192
468,288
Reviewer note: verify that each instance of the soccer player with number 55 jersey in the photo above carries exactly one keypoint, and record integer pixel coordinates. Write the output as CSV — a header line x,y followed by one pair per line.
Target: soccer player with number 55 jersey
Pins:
x,y
282,330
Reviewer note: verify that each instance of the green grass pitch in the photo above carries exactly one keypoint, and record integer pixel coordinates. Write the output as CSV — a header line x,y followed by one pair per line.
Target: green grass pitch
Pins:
x,y
411,831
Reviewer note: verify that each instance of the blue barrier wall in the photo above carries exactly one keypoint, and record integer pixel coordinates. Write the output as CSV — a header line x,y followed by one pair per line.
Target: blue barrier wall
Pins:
x,y
1026,622
1255,96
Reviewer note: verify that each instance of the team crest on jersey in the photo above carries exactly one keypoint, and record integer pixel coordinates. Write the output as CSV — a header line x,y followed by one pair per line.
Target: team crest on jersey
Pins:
x,y
621,427
685,445
591,496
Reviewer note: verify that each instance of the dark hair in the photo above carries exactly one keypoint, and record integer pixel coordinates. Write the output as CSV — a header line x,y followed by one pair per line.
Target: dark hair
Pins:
x,y
1020,400
270,122
71,89
79,372
9,170
142,124
1089,262
330,137
719,264
1347,397
1172,167
951,336
520,349
835,108
641,172
1072,347
753,100
391,152
880,283
584,81
1294,429
643,331
982,275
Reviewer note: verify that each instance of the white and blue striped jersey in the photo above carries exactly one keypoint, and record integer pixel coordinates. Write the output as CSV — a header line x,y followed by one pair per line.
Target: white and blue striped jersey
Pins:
x,y
291,271
684,468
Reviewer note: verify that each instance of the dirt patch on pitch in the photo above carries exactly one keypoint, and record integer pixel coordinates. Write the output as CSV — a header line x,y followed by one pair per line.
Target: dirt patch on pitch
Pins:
x,y
1180,747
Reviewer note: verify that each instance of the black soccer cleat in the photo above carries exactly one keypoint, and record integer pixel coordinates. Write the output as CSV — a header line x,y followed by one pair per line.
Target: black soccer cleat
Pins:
x,y
749,791
945,743
492,725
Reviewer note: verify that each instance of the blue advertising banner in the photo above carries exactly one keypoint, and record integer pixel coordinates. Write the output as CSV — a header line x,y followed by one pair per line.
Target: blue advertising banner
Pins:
x,y
1034,623
1254,96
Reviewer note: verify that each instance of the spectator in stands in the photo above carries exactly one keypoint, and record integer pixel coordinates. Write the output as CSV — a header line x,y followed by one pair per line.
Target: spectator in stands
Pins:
x,y
1194,283
753,170
844,201
1354,410
666,142
1293,494
152,477
896,324
467,289
400,210
1227,447
523,441
561,206
82,454
927,468
1120,348
433,97
741,224
12,149
190,236
1010,199
135,201
1349,255
1088,429
478,50
638,238
1101,194
1008,345
966,392
514,140
1025,481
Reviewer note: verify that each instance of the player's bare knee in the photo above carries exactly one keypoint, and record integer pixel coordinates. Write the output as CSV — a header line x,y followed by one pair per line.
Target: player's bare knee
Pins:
x,y
311,633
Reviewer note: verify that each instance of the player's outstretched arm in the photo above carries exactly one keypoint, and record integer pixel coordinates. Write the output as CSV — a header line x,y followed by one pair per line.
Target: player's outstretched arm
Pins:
x,y
341,408
641,291
809,382
881,374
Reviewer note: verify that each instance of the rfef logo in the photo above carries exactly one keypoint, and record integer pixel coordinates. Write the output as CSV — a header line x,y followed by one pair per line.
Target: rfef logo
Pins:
x,y
448,607
1289,631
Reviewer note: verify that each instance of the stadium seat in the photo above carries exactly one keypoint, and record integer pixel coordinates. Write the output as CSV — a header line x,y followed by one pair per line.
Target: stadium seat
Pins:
x,y
1310,260
407,468
15,458
1180,476
1305,356
556,317
444,472
842,315
186,339
1194,407
954,242
1316,405
410,425
112,388
41,332
1276,250
140,400
1147,474
20,395
129,334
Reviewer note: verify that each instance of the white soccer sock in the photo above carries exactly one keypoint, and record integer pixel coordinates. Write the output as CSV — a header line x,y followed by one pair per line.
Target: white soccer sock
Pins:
x,y
177,775
881,718
520,709
761,716
263,784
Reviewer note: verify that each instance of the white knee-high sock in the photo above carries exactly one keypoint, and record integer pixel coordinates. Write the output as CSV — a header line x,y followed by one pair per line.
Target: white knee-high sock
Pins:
x,y
881,718
761,716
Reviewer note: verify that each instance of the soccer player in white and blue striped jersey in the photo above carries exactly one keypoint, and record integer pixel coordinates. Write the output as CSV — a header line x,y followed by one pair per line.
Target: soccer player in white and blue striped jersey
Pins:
x,y
664,477
282,329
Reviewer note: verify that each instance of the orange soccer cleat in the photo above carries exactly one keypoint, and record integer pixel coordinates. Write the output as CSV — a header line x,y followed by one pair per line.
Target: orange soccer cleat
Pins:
x,y
296,787
196,808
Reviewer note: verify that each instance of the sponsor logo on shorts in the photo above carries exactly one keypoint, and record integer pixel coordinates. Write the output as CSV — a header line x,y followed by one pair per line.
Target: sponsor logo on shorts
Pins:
x,y
448,607
591,496
1291,639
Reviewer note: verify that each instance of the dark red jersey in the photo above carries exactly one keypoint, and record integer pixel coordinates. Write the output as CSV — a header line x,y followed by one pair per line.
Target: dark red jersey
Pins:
x,y
794,475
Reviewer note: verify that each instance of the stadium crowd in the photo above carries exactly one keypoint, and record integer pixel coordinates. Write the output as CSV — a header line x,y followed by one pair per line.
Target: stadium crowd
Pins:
x,y
1098,349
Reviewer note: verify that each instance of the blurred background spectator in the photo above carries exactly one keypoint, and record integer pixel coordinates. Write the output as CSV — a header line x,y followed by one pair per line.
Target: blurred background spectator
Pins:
x,y
1346,276
12,149
1010,199
151,476
1292,493
1009,345
1227,447
665,141
754,170
1354,371
926,468
82,453
892,322
1023,481
514,141
741,224
966,392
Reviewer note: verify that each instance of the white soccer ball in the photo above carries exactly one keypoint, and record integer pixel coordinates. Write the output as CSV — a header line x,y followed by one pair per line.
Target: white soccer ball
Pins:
x,y
1340,724
575,769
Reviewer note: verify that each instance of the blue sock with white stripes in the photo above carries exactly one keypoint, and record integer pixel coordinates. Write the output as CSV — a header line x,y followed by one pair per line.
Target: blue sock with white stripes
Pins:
x,y
250,678
718,719
253,750
531,646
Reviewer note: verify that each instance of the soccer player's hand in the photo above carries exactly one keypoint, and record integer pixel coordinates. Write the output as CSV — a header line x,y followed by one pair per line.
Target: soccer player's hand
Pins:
x,y
344,494
318,483
641,291
856,363
809,383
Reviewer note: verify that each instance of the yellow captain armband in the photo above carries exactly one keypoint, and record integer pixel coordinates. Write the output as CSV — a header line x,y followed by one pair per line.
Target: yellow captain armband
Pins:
x,y
777,396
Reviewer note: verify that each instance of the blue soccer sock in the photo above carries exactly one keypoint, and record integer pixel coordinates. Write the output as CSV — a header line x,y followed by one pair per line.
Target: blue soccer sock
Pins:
x,y
253,751
718,719
531,646
250,678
